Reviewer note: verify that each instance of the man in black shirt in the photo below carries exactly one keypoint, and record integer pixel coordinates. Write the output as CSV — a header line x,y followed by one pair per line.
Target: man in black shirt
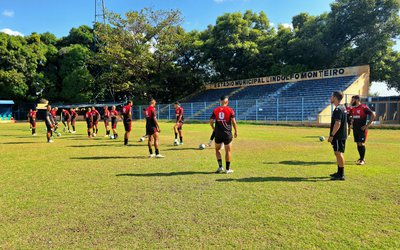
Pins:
x,y
338,133
49,121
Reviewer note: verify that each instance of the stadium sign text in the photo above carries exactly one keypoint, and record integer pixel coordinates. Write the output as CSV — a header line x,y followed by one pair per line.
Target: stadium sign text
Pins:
x,y
311,75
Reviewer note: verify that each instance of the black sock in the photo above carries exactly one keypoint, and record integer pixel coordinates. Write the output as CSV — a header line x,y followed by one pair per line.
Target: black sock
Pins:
x,y
125,141
88,133
73,128
181,138
116,135
341,171
108,132
151,151
228,165
219,163
338,169
176,136
33,131
157,152
97,130
361,151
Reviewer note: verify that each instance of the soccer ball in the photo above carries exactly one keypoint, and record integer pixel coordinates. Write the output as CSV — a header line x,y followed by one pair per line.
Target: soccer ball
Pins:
x,y
141,139
58,134
111,137
94,134
202,146
176,143
321,138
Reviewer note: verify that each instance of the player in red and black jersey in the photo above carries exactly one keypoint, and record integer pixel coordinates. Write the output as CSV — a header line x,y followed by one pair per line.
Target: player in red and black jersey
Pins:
x,y
32,120
349,118
127,118
96,119
179,123
114,121
54,114
66,119
360,113
107,115
74,115
152,129
89,121
223,117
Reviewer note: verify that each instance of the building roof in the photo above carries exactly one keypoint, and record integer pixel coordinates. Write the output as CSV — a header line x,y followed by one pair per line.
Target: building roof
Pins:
x,y
8,102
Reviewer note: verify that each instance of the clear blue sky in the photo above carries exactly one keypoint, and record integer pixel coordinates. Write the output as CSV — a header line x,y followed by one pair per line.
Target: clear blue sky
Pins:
x,y
59,16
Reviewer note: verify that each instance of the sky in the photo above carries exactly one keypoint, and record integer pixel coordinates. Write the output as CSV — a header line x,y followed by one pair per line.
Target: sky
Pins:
x,y
22,17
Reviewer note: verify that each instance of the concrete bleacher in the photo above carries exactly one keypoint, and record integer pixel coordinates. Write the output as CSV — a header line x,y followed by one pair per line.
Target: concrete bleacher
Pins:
x,y
291,101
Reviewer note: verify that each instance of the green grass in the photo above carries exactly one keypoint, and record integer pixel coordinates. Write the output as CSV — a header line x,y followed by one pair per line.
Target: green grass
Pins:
x,y
80,193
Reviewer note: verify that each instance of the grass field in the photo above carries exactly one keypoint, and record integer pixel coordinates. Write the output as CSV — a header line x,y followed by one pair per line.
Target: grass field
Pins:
x,y
81,193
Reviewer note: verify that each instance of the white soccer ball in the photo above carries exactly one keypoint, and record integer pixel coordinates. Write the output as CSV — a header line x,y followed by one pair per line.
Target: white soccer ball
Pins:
x,y
202,146
322,138
58,134
111,137
176,143
141,139
94,134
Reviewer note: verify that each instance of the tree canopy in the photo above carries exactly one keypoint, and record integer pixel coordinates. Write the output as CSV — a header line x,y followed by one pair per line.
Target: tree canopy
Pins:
x,y
147,53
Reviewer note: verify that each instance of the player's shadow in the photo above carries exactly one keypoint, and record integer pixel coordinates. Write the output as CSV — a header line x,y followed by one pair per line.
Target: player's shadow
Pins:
x,y
18,142
107,157
165,174
300,163
277,179
180,149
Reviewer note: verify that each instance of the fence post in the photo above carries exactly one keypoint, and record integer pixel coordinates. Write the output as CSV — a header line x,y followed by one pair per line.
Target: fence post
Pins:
x,y
236,110
277,109
191,107
169,111
257,110
140,112
302,109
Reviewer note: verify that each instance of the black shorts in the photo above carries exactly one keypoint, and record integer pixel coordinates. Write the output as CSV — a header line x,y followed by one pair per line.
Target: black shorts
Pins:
x,y
151,130
339,145
128,126
114,123
89,124
225,139
66,119
48,127
360,135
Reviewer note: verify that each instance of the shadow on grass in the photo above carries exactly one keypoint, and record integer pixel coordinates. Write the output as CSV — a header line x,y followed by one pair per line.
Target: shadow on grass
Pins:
x,y
180,149
312,136
276,178
18,142
91,146
300,163
107,157
165,174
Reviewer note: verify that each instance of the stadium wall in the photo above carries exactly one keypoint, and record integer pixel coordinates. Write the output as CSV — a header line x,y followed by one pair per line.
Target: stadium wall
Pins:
x,y
359,87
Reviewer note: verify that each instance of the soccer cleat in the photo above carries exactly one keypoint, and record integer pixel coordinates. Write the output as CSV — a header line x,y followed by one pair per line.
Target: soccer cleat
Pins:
x,y
181,143
338,178
229,171
69,131
94,134
160,156
73,132
33,134
51,141
219,170
152,156
360,162
334,174
106,136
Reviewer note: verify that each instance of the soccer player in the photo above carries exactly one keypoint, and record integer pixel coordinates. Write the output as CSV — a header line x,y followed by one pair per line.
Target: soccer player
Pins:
x,y
49,124
338,133
179,123
152,129
360,113
89,122
114,121
107,115
349,118
66,119
96,119
223,117
73,119
32,121
55,123
29,118
127,118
